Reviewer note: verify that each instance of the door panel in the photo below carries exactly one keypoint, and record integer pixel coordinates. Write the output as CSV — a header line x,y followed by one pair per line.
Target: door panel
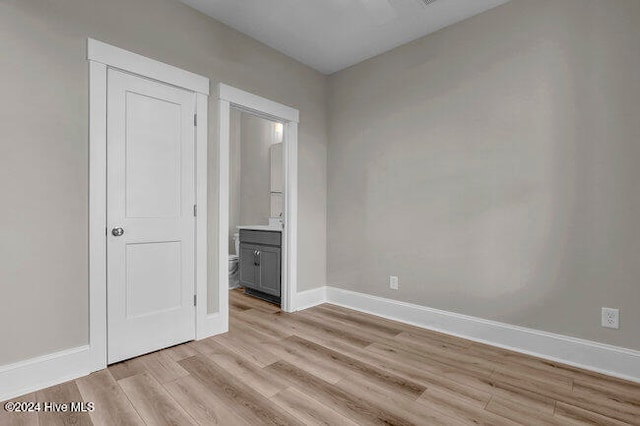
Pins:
x,y
157,263
150,195
269,270
248,275
153,169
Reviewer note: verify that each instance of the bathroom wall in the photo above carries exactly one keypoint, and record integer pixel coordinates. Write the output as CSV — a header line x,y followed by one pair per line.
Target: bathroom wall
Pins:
x,y
257,135
493,166
251,138
44,149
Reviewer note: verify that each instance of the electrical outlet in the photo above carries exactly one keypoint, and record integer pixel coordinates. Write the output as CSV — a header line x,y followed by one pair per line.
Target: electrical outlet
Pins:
x,y
610,318
393,282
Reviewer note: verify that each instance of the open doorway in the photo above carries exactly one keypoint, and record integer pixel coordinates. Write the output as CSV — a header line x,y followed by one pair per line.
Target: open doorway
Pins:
x,y
258,198
256,208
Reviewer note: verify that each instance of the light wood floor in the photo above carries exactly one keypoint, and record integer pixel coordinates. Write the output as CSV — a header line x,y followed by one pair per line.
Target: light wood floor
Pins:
x,y
329,365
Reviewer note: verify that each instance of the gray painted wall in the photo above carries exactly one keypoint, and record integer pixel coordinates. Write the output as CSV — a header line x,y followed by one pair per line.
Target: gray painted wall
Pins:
x,y
44,153
493,166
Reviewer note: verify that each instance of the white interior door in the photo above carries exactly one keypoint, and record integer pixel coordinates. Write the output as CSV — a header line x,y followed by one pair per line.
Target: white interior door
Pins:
x,y
150,215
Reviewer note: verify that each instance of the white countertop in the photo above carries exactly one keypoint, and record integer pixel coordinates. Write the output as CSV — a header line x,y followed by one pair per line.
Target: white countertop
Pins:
x,y
261,227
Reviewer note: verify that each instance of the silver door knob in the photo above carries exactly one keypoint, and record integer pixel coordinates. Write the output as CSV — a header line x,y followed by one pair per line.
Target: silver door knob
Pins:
x,y
117,232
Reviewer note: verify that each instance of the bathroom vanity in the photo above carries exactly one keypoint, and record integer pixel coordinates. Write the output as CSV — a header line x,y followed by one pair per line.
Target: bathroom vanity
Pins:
x,y
260,262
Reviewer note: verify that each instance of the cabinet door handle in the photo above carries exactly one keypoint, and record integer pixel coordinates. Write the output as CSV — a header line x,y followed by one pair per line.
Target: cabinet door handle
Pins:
x,y
255,258
258,253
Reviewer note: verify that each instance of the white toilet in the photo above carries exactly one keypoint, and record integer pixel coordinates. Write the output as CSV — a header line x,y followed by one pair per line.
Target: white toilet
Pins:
x,y
234,279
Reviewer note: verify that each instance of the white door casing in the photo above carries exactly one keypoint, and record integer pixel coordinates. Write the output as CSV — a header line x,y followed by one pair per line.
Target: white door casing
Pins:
x,y
232,97
102,58
151,198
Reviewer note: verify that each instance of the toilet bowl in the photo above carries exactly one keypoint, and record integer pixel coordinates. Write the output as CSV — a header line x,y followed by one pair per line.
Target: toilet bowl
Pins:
x,y
234,279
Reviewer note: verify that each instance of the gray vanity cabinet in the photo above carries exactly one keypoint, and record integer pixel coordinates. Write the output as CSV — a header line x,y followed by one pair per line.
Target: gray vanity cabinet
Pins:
x,y
260,263
269,270
248,270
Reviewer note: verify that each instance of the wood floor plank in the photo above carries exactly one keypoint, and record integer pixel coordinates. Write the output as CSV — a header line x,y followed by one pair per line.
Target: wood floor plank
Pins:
x,y
585,375
569,414
455,359
153,402
513,378
252,318
234,309
309,362
246,402
290,324
162,366
127,368
111,404
536,375
238,299
623,392
466,375
180,352
394,403
518,395
256,332
348,366
521,413
203,405
251,349
514,360
390,329
351,406
360,327
604,403
606,406
9,418
203,347
64,393
308,410
444,381
407,341
462,412
335,332
422,333
249,372
433,340
444,388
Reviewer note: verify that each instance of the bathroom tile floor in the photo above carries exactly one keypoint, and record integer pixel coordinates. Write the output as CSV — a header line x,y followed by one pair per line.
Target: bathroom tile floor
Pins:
x,y
330,365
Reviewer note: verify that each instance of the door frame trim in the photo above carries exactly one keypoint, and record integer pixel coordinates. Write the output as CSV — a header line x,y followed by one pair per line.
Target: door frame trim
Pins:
x,y
101,57
230,96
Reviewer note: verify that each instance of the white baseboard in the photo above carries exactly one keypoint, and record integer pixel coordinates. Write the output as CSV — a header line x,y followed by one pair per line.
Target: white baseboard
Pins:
x,y
41,372
598,357
309,298
38,373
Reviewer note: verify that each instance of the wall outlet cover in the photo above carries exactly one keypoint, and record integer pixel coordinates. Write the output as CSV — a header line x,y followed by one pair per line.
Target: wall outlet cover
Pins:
x,y
610,318
393,282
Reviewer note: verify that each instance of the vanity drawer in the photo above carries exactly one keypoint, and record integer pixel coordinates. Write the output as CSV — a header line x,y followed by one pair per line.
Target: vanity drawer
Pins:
x,y
272,238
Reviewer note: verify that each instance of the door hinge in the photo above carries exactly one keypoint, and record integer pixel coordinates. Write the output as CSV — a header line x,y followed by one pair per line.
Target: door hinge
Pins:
x,y
195,119
195,300
195,210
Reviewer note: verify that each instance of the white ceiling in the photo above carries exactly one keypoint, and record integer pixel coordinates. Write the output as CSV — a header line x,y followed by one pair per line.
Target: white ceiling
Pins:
x,y
330,35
